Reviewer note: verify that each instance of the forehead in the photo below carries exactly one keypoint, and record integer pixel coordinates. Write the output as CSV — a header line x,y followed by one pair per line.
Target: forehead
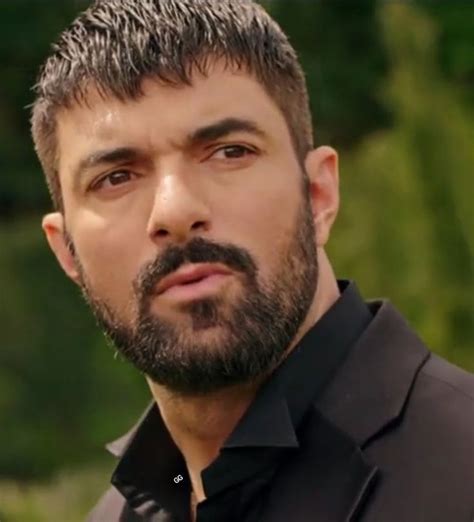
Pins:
x,y
164,113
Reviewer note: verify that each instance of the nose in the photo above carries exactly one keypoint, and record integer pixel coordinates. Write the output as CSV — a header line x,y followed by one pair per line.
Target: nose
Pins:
x,y
179,210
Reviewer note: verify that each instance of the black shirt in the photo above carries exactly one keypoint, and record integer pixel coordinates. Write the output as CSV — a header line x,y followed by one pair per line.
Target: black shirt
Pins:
x,y
152,474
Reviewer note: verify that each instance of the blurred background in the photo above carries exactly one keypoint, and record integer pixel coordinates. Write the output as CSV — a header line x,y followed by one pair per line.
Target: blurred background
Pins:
x,y
392,88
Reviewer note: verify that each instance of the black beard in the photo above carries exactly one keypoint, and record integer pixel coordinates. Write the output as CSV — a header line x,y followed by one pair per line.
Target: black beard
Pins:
x,y
255,331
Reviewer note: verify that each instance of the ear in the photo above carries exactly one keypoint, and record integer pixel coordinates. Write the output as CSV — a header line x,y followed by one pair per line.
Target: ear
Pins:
x,y
53,227
322,168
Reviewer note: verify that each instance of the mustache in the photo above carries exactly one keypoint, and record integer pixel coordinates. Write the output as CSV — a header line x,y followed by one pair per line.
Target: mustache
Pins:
x,y
197,250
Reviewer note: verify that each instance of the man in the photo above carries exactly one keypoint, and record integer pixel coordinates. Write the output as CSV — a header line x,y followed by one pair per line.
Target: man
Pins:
x,y
193,212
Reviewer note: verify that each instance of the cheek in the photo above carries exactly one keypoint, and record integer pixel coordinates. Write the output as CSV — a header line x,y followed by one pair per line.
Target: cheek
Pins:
x,y
108,251
263,222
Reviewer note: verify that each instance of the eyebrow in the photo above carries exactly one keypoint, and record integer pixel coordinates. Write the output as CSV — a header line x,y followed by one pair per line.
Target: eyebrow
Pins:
x,y
207,133
104,157
223,128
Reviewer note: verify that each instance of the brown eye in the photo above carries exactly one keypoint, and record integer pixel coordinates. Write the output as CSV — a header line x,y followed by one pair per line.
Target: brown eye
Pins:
x,y
232,152
113,179
116,178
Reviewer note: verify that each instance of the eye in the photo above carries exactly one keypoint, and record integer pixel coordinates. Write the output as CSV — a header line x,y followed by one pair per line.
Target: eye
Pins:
x,y
230,152
113,179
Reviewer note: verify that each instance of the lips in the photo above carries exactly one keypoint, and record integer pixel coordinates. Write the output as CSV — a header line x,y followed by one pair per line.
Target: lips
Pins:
x,y
190,274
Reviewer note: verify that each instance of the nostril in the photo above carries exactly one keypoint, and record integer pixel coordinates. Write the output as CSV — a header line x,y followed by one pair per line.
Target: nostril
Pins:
x,y
198,224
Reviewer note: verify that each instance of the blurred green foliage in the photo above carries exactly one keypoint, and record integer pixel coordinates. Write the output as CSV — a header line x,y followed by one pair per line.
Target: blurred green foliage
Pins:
x,y
391,85
66,498
407,193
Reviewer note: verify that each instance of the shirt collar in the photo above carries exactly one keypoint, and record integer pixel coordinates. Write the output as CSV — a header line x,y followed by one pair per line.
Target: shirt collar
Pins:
x,y
149,455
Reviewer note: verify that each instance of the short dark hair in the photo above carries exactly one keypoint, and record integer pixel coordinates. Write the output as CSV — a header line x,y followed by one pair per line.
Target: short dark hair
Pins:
x,y
115,44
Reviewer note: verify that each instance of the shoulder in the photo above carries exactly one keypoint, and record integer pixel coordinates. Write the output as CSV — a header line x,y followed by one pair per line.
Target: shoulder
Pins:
x,y
426,456
441,405
454,381
444,392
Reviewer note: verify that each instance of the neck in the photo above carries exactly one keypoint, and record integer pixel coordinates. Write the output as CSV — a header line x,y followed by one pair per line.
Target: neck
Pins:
x,y
199,425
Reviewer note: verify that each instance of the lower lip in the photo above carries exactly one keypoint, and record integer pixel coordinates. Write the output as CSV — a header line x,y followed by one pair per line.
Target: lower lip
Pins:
x,y
202,288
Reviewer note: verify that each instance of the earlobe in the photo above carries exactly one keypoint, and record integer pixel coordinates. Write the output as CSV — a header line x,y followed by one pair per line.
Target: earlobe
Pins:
x,y
54,229
322,169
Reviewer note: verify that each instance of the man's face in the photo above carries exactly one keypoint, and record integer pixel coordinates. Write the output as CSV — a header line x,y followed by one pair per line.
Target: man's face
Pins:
x,y
189,177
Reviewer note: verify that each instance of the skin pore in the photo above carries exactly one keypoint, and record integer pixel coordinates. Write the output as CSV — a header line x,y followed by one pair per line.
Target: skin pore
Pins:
x,y
141,178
